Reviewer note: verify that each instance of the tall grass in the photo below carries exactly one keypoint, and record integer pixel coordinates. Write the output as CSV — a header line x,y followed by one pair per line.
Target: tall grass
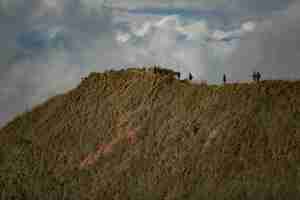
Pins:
x,y
151,136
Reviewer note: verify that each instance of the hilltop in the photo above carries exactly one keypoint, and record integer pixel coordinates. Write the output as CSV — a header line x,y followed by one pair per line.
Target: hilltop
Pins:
x,y
135,134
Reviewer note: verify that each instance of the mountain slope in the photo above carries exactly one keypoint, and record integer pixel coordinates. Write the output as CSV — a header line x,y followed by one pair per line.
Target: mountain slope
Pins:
x,y
136,134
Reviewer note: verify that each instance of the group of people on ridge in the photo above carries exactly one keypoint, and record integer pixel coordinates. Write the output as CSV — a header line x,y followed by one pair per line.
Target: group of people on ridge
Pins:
x,y
256,76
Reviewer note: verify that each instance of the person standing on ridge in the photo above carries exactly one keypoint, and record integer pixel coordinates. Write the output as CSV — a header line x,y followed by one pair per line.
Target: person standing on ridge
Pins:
x,y
178,75
190,76
258,76
224,79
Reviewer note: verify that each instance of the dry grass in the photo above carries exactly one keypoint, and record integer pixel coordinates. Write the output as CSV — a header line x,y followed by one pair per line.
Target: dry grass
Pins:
x,y
135,134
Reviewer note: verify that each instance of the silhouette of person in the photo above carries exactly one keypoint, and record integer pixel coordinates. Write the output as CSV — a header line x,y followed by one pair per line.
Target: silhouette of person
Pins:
x,y
190,76
178,75
224,78
258,76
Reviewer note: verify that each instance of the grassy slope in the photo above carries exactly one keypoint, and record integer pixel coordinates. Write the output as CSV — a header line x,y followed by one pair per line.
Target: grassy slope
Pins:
x,y
239,141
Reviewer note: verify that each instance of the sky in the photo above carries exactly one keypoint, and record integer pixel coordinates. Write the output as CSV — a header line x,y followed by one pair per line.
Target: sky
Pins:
x,y
47,46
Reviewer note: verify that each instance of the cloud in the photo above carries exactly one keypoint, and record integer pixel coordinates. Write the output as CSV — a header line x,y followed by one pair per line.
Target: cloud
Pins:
x,y
273,49
45,47
221,35
178,44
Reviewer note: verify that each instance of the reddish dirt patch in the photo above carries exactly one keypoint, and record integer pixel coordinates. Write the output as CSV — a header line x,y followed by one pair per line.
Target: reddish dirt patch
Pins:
x,y
131,136
103,149
87,161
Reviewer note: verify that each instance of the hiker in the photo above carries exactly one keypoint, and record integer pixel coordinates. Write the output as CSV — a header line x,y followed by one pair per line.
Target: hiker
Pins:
x,y
258,76
190,76
178,75
224,78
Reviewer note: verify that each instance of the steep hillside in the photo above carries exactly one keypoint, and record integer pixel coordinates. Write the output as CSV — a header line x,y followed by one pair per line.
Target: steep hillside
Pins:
x,y
136,134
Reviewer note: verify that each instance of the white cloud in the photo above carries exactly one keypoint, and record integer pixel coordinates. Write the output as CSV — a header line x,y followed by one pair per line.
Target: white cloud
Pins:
x,y
54,62
248,26
195,31
142,31
122,37
245,28
177,45
168,22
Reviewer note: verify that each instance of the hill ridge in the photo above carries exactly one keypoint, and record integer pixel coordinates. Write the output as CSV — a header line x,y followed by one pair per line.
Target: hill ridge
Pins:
x,y
144,134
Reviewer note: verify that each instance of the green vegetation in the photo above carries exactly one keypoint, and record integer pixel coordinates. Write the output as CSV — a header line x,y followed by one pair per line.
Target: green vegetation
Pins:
x,y
135,134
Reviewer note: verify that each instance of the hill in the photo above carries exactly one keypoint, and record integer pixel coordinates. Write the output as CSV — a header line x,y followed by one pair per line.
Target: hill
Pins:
x,y
143,134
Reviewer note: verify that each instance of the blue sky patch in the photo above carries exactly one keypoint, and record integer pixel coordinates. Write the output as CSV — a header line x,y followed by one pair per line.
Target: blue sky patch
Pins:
x,y
185,12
